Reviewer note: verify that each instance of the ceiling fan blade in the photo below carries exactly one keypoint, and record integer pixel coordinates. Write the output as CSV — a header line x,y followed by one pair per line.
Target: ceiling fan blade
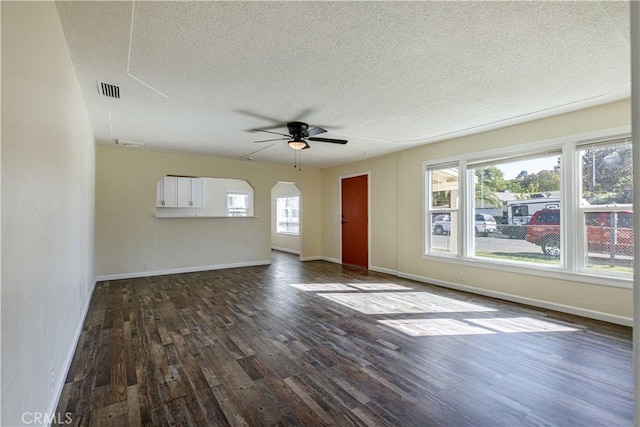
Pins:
x,y
316,131
261,117
267,140
334,141
268,131
265,128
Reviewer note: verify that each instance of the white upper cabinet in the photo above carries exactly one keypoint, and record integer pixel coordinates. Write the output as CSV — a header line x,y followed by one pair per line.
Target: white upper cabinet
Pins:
x,y
196,192
184,192
179,192
167,194
189,192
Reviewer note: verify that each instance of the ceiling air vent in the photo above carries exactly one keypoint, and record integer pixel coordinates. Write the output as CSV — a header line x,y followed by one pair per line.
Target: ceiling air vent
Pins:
x,y
111,91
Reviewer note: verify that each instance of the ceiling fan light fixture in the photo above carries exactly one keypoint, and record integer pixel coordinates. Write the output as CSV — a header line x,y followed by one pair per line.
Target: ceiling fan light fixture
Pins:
x,y
298,143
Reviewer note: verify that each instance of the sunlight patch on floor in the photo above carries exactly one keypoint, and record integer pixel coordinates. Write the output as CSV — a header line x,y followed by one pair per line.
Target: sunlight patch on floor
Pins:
x,y
379,287
322,287
435,327
326,287
521,324
403,302
439,327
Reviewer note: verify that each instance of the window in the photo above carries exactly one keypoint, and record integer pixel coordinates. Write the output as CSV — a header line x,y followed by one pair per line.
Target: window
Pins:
x,y
606,233
442,209
512,191
511,209
237,204
287,215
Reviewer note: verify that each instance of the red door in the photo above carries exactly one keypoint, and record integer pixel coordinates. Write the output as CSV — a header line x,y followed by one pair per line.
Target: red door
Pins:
x,y
355,239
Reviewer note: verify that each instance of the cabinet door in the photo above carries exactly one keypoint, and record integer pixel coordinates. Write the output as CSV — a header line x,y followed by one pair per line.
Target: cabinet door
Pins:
x,y
160,194
184,192
196,192
168,194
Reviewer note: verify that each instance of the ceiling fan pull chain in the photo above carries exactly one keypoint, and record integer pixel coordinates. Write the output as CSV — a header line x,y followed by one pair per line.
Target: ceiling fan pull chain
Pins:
x,y
296,160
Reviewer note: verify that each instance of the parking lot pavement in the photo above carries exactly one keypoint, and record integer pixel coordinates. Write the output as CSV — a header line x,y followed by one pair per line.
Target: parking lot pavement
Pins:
x,y
505,244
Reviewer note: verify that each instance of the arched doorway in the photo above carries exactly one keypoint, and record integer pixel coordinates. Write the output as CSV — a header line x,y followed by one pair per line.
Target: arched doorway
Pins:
x,y
285,217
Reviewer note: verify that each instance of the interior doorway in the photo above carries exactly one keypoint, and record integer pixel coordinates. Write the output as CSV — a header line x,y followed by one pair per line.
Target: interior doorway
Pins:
x,y
355,220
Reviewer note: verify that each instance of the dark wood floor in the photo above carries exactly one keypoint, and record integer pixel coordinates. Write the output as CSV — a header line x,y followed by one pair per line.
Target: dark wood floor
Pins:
x,y
317,343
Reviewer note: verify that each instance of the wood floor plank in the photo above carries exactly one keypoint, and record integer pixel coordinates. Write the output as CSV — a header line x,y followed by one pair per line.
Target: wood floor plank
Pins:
x,y
317,410
317,343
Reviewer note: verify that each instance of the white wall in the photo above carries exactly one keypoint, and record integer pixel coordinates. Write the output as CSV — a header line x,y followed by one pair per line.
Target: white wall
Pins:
x,y
279,241
396,222
130,237
48,209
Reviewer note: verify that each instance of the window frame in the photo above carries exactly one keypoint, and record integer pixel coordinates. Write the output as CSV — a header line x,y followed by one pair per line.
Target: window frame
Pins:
x,y
289,233
583,210
571,262
474,163
430,210
247,209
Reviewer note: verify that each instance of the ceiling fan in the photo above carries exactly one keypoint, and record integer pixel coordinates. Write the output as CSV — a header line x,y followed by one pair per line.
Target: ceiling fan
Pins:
x,y
300,134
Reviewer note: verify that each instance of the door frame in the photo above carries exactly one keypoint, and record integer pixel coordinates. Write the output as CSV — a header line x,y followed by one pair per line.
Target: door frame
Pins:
x,y
340,179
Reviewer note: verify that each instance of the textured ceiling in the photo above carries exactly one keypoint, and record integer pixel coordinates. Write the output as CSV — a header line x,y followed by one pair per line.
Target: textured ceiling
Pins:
x,y
199,76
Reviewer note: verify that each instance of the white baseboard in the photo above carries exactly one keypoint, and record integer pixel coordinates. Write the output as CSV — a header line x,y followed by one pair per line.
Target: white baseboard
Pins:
x,y
592,314
180,270
311,258
334,260
67,365
383,270
281,249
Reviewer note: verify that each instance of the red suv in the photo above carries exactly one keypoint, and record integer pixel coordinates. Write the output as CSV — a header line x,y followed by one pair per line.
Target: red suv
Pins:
x,y
544,230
